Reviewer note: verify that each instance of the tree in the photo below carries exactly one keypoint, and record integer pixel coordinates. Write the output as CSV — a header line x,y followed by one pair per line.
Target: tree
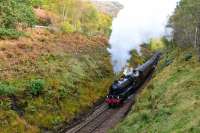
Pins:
x,y
105,22
78,16
186,24
135,59
89,19
16,12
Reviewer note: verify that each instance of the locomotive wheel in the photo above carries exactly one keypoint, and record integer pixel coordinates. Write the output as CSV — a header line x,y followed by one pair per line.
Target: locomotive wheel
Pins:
x,y
110,105
121,103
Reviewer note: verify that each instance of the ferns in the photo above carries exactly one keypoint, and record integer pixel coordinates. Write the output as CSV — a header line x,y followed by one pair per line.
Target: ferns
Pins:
x,y
6,90
36,87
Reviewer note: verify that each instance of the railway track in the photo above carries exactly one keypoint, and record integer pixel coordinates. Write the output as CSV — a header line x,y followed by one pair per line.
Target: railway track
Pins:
x,y
97,118
101,120
87,122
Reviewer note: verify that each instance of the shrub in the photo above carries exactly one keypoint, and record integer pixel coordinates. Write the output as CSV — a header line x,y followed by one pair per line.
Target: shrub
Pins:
x,y
168,62
63,92
36,87
15,13
56,120
9,33
67,27
187,56
36,3
6,90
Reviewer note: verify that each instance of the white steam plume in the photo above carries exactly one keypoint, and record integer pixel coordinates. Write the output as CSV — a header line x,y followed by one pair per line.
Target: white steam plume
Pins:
x,y
139,21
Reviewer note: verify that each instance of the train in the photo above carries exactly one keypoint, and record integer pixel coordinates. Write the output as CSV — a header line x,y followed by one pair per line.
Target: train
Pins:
x,y
127,85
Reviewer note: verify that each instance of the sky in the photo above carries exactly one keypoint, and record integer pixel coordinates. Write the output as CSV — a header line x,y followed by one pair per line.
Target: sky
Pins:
x,y
138,22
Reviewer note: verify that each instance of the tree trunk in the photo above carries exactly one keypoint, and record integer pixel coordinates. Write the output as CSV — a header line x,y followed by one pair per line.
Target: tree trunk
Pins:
x,y
196,32
198,41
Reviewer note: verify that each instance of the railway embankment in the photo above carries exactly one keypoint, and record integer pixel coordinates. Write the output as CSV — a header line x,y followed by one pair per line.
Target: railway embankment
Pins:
x,y
170,102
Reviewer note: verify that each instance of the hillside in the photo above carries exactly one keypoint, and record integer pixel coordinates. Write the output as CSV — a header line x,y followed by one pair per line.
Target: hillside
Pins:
x,y
170,102
47,79
108,7
55,65
53,72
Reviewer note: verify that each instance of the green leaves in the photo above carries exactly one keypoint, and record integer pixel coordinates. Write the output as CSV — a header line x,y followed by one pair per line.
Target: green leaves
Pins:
x,y
14,14
6,90
9,33
77,16
72,16
36,87
185,22
67,27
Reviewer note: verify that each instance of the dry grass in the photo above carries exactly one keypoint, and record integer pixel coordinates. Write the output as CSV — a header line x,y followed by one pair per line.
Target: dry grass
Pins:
x,y
16,54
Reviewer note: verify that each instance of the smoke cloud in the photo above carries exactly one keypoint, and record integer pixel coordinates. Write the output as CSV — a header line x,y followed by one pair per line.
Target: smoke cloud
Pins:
x,y
138,22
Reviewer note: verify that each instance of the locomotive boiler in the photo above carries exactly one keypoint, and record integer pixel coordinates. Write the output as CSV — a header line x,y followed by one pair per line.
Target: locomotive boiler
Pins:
x,y
121,89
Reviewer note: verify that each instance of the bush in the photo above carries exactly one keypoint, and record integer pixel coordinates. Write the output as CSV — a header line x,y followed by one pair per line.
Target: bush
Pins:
x,y
15,13
36,87
63,92
6,90
187,56
36,3
67,27
9,33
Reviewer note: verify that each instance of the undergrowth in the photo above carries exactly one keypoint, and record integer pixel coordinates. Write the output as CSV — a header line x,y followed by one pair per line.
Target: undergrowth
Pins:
x,y
10,33
41,93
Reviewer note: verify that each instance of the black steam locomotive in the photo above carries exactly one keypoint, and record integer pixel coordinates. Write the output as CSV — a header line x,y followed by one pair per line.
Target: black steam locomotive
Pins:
x,y
121,89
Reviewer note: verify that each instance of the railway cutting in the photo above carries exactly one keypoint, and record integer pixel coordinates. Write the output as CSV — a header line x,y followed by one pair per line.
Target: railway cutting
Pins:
x,y
105,116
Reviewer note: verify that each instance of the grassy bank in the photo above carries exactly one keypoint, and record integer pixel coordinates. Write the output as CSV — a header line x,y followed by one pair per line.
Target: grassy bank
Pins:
x,y
47,79
170,103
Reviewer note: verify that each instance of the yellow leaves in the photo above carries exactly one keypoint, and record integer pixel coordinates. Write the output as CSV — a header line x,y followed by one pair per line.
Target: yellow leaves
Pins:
x,y
67,27
79,16
156,44
104,20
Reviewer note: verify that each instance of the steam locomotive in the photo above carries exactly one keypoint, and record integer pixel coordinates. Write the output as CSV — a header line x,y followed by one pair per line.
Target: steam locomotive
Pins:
x,y
121,89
